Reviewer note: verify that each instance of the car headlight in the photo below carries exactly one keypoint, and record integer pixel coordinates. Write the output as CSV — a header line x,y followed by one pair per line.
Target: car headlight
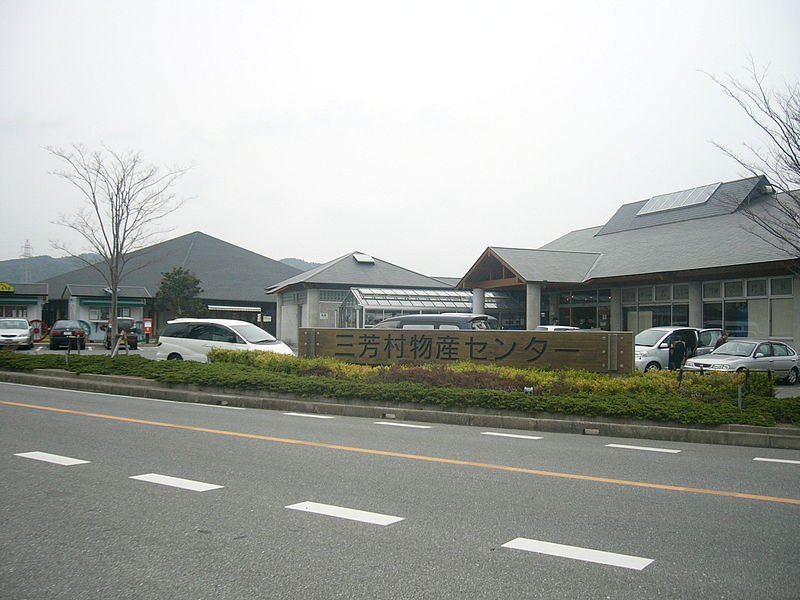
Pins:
x,y
725,367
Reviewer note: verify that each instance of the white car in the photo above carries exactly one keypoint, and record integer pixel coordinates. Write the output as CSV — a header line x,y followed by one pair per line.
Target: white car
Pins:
x,y
193,339
737,356
651,346
16,333
556,328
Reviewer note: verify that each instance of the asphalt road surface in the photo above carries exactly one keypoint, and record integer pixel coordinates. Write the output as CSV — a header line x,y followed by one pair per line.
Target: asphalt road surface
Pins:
x,y
117,497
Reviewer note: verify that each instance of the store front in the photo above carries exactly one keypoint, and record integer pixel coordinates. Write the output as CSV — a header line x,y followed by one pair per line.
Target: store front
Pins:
x,y
22,300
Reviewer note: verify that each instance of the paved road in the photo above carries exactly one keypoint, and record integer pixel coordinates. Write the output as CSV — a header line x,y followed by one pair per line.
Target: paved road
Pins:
x,y
274,505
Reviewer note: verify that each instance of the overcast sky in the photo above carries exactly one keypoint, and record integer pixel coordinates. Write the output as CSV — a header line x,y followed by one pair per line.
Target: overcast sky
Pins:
x,y
418,132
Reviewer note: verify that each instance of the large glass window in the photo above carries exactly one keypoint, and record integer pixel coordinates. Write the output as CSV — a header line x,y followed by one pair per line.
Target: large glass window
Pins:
x,y
782,317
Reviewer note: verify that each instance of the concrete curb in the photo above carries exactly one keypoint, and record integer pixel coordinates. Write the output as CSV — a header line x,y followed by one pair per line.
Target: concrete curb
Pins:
x,y
736,435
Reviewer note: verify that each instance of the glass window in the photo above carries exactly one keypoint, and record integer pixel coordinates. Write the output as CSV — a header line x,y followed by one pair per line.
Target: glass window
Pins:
x,y
782,317
663,293
712,314
734,289
604,296
757,287
712,290
780,350
645,294
629,295
781,287
659,315
735,316
680,315
680,291
564,298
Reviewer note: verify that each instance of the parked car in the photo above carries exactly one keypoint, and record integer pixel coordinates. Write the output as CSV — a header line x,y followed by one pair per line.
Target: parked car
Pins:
x,y
193,339
651,346
556,328
751,355
16,333
440,321
126,325
67,334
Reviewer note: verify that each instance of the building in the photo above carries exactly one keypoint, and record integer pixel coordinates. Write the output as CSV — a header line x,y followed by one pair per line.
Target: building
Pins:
x,y
686,258
231,277
22,300
314,298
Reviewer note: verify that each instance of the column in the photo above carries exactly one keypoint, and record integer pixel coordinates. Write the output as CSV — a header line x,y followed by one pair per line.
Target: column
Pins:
x,y
313,307
695,304
533,305
478,301
278,320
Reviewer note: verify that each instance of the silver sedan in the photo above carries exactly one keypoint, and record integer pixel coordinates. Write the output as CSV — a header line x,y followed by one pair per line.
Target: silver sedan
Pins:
x,y
737,356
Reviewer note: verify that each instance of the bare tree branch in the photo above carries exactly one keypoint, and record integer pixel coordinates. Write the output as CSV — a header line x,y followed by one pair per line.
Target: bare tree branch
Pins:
x,y
124,198
777,114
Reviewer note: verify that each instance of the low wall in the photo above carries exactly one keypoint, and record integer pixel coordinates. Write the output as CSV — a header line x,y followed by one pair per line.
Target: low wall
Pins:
x,y
598,351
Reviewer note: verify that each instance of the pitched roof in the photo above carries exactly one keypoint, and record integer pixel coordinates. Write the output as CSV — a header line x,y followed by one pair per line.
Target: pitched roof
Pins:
x,y
713,233
348,270
226,271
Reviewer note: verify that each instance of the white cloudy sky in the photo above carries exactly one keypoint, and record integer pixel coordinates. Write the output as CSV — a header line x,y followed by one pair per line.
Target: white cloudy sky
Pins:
x,y
417,131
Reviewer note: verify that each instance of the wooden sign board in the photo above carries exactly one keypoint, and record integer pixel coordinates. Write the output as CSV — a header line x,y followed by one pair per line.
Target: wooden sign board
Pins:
x,y
598,351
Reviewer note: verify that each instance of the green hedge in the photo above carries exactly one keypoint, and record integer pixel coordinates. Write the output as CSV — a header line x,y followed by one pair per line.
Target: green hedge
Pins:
x,y
699,400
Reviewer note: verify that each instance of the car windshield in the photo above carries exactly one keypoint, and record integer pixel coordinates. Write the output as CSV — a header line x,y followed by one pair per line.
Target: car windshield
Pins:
x,y
253,334
13,324
67,325
649,337
735,349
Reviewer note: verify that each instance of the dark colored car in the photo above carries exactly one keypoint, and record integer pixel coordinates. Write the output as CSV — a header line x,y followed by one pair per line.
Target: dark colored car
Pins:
x,y
67,334
440,321
127,326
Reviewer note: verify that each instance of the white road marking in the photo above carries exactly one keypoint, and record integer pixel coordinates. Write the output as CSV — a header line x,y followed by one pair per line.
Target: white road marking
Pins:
x,y
346,513
403,425
779,460
511,435
578,553
53,458
309,415
667,450
186,484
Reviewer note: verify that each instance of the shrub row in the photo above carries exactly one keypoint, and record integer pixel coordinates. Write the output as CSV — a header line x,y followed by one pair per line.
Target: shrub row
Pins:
x,y
707,400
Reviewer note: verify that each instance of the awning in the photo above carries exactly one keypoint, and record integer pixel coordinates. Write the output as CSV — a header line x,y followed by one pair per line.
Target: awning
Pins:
x,y
235,308
89,302
18,300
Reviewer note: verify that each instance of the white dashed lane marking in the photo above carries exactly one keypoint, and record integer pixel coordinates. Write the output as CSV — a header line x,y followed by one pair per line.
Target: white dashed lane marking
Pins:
x,y
647,448
512,435
309,415
186,484
778,460
403,425
578,553
345,513
53,458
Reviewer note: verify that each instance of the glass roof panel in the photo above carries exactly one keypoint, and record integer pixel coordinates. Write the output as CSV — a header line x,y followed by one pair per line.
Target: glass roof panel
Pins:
x,y
691,197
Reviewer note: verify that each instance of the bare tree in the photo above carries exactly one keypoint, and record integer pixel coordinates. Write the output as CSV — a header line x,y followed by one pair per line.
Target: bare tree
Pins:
x,y
126,199
777,114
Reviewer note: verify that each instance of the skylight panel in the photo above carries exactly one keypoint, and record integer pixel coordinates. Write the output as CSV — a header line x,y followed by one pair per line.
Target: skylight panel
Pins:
x,y
682,199
363,258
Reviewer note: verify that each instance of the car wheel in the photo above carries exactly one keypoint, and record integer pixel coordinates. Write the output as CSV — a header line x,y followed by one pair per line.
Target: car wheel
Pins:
x,y
83,345
53,346
653,366
741,370
174,356
792,377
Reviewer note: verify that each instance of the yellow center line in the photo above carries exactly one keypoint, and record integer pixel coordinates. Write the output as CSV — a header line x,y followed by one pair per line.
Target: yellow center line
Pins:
x,y
449,461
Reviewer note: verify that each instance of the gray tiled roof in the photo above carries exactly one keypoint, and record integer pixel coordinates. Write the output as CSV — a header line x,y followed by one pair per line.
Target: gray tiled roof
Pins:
x,y
725,200
547,265
697,243
31,289
94,291
345,270
226,271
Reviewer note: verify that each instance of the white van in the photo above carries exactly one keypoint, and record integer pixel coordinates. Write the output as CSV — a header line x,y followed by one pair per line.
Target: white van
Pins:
x,y
651,346
193,339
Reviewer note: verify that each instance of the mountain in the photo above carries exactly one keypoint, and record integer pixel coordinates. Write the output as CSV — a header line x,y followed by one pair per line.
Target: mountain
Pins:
x,y
39,268
299,263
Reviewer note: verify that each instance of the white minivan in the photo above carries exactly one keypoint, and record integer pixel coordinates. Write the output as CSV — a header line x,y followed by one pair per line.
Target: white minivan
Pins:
x,y
193,339
651,346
